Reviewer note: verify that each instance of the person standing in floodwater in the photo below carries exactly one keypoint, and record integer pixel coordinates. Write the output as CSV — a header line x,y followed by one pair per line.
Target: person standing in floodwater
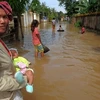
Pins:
x,y
9,87
36,39
82,30
53,24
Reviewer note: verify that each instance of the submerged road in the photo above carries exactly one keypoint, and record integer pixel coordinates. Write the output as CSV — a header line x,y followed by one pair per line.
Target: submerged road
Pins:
x,y
70,70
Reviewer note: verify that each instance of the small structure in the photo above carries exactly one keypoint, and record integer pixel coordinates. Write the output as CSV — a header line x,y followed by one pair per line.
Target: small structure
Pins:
x,y
26,19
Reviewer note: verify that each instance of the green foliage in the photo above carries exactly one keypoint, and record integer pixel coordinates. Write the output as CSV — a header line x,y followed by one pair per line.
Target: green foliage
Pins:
x,y
70,6
43,10
60,15
86,6
35,6
81,6
78,23
18,6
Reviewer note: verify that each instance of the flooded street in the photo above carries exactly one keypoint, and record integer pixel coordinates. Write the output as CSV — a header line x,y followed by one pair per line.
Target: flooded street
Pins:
x,y
70,70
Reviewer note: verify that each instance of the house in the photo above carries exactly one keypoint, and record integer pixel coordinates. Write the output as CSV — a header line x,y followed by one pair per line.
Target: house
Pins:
x,y
26,19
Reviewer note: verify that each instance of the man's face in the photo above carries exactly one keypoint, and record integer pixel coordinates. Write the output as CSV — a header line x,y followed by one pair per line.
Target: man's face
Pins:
x,y
4,21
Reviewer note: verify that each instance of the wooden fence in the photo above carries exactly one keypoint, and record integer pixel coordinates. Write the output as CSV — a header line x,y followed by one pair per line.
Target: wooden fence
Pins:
x,y
91,21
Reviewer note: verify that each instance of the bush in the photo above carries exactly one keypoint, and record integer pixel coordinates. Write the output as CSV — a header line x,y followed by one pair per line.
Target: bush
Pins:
x,y
78,23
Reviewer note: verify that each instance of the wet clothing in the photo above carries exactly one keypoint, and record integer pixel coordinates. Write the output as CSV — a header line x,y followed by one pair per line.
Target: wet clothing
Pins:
x,y
8,84
37,44
83,30
36,40
53,23
39,48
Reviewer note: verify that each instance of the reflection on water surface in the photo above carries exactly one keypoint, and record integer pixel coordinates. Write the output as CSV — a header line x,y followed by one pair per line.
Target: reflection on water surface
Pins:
x,y
70,71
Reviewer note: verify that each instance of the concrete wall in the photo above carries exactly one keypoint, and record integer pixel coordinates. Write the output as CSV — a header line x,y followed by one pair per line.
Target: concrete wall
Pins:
x,y
28,17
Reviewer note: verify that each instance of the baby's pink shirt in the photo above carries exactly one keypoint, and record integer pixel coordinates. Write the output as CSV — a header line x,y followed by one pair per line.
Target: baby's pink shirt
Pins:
x,y
22,66
35,40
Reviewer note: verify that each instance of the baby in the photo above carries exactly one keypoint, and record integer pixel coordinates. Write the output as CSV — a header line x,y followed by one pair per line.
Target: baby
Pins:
x,y
22,67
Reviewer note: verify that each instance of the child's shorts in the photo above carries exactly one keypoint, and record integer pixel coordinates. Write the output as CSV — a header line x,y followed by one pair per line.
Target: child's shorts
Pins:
x,y
39,48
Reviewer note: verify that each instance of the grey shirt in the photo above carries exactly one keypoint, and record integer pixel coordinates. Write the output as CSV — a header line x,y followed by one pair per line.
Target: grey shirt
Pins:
x,y
8,84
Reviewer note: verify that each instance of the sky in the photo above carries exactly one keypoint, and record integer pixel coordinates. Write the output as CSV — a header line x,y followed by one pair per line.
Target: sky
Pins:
x,y
53,4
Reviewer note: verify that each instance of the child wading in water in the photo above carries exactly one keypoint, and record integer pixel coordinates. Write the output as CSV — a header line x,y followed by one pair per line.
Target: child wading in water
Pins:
x,y
60,27
53,24
36,39
82,30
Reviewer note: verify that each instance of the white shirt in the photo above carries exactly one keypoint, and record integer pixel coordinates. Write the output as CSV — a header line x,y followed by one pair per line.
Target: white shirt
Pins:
x,y
53,21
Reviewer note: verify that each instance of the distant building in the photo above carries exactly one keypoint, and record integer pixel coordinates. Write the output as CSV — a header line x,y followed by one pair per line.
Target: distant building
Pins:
x,y
27,18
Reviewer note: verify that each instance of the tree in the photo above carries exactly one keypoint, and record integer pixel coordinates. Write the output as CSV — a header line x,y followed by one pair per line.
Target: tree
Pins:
x,y
80,6
19,7
35,6
42,9
60,15
70,6
85,6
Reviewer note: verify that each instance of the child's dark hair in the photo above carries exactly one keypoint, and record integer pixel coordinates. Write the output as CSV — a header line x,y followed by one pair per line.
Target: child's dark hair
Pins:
x,y
34,24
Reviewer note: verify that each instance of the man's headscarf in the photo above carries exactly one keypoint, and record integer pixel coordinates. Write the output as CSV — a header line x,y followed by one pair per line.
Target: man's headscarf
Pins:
x,y
7,8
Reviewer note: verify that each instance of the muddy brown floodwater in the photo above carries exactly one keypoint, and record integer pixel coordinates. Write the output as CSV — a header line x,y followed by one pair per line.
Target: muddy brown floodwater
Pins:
x,y
70,70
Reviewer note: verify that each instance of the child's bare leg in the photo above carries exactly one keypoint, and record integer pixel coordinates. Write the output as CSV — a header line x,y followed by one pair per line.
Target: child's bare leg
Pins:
x,y
42,54
35,51
36,54
30,76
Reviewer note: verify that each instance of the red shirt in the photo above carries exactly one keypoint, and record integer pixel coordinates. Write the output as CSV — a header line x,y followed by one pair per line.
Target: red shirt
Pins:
x,y
36,40
83,29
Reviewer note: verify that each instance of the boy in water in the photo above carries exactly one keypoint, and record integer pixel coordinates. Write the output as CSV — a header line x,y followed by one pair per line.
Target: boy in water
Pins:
x,y
53,24
60,28
82,30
